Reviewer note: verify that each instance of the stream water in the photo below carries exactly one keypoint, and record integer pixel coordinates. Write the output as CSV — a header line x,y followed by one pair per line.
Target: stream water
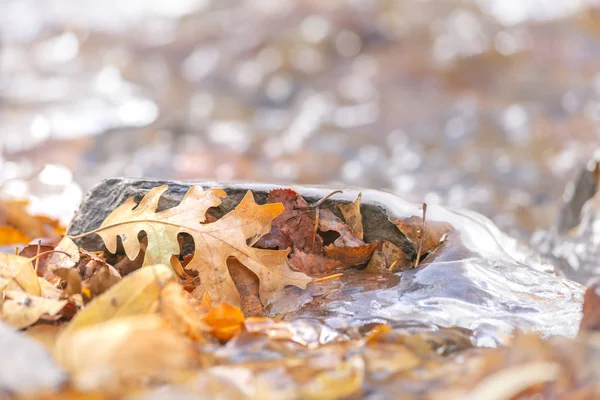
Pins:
x,y
491,106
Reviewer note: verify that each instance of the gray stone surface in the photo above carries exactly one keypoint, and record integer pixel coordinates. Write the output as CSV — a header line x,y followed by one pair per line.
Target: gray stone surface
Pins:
x,y
110,193
25,365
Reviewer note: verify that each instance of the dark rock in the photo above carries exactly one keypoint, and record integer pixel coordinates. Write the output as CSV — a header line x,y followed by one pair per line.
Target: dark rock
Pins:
x,y
25,366
109,194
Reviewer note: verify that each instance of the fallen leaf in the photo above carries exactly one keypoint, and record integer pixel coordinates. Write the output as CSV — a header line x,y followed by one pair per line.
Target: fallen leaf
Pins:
x,y
72,279
351,256
432,236
103,279
345,380
161,228
314,264
137,293
225,320
328,221
247,285
44,260
11,236
125,351
17,273
591,308
14,213
387,256
183,312
21,309
294,227
214,242
353,217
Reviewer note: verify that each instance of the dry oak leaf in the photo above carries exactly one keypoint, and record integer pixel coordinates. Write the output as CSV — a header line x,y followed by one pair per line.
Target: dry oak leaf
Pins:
x,y
351,256
314,264
225,320
433,233
294,226
353,217
21,309
17,273
214,242
328,221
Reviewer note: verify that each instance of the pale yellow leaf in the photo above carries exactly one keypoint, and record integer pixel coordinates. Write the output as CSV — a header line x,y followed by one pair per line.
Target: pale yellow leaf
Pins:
x,y
21,310
17,273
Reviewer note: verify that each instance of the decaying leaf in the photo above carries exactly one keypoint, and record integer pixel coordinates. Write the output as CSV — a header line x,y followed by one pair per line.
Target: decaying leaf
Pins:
x,y
138,293
314,264
225,321
328,221
345,380
353,217
20,309
183,312
72,279
294,226
128,350
247,285
103,279
432,236
351,256
17,273
389,256
214,242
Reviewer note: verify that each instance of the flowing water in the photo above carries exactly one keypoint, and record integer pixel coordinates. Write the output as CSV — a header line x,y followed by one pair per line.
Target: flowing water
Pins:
x,y
485,105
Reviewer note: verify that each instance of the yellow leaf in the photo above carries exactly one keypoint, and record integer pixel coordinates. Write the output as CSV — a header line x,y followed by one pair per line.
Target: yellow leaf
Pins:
x,y
183,312
17,273
162,228
214,242
137,293
225,321
345,380
127,350
11,236
21,310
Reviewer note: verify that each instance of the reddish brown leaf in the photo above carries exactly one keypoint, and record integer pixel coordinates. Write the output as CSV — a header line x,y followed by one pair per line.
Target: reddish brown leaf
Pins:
x,y
387,256
591,308
292,228
351,256
328,221
314,264
42,261
246,283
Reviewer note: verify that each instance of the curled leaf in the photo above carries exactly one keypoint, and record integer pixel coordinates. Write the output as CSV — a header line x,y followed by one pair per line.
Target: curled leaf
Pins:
x,y
17,273
353,217
21,309
127,350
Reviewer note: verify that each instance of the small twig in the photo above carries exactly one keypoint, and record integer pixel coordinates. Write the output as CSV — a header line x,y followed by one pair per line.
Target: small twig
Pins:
x,y
421,234
328,278
391,268
37,256
315,207
17,251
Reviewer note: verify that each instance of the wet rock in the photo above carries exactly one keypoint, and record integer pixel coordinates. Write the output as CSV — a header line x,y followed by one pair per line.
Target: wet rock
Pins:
x,y
109,194
481,279
25,366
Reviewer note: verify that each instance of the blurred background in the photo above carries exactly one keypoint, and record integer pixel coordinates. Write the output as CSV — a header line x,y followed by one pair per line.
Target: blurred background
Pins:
x,y
492,105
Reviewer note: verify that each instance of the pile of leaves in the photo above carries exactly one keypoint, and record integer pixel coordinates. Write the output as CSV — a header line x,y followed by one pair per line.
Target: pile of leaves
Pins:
x,y
149,314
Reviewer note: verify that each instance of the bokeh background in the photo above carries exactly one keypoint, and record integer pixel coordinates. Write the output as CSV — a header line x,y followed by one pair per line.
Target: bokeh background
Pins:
x,y
492,105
